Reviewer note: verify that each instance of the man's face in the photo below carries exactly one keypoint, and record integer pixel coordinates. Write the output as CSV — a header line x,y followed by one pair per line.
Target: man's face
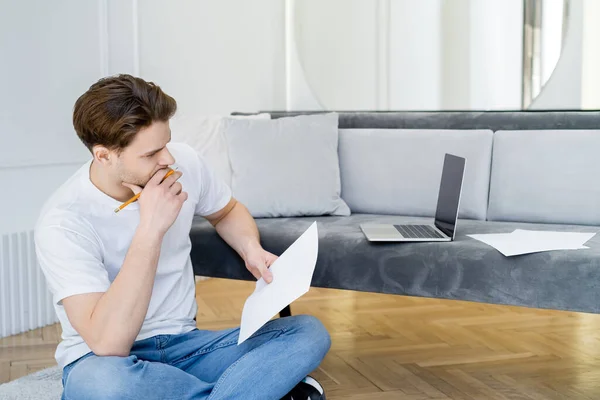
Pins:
x,y
145,155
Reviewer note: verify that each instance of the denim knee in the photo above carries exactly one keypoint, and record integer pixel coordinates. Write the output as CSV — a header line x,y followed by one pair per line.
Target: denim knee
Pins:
x,y
317,337
101,377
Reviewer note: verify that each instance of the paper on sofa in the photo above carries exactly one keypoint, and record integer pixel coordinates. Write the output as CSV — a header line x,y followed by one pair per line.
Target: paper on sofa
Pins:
x,y
522,241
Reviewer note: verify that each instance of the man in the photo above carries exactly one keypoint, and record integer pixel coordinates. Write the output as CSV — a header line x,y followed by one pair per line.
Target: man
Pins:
x,y
122,282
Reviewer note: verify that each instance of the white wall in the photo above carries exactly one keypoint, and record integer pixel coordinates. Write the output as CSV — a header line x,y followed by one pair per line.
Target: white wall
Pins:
x,y
455,68
212,60
495,54
415,59
51,52
48,58
590,73
215,56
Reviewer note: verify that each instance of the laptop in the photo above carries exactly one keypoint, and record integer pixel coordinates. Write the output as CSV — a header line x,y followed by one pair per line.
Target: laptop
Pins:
x,y
446,214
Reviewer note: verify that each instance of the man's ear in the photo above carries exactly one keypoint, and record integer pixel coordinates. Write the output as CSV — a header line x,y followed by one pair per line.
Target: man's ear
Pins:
x,y
102,155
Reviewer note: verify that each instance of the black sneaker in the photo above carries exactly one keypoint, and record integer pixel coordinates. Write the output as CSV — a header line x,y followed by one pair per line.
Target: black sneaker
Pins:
x,y
307,389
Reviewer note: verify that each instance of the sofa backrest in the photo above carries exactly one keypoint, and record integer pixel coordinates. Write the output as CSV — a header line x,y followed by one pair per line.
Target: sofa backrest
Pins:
x,y
547,176
494,120
540,186
398,171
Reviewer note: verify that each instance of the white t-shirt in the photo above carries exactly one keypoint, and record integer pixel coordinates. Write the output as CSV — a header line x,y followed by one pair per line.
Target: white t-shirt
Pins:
x,y
81,245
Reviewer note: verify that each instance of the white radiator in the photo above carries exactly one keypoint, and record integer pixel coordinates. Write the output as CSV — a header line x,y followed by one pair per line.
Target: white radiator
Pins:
x,y
25,302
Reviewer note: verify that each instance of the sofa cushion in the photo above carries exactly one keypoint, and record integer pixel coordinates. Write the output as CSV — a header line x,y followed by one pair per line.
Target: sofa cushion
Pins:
x,y
546,176
465,269
397,171
286,167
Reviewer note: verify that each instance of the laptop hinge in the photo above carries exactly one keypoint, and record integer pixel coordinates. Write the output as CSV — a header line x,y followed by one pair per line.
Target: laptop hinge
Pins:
x,y
447,231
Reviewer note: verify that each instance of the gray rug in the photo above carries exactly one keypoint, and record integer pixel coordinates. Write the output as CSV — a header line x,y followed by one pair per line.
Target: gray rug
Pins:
x,y
44,384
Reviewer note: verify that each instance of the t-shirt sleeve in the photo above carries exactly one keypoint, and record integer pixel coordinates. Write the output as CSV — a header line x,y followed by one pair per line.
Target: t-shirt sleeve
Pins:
x,y
71,262
214,193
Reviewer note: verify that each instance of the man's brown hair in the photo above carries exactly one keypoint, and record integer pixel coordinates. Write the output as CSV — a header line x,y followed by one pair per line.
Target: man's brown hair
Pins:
x,y
113,110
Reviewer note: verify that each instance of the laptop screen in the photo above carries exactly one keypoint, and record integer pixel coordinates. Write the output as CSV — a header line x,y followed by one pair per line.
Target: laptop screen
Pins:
x,y
449,195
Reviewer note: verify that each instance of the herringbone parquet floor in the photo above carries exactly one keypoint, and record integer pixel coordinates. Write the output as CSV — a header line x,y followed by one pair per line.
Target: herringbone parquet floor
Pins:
x,y
394,347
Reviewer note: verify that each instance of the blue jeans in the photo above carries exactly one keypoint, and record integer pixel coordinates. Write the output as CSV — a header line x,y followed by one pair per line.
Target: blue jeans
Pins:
x,y
205,364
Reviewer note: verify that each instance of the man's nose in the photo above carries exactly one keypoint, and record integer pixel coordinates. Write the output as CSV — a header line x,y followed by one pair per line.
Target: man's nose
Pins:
x,y
166,158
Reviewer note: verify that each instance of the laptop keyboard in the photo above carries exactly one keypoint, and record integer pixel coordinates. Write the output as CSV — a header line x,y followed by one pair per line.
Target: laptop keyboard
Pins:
x,y
418,231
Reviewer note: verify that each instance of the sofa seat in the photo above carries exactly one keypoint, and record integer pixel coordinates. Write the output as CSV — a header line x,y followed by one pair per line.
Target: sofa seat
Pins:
x,y
465,269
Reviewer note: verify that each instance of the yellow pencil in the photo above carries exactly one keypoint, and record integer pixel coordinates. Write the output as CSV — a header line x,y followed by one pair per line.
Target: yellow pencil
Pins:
x,y
134,198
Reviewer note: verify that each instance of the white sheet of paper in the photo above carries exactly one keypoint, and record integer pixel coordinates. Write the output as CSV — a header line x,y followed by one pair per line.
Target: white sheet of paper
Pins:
x,y
292,275
555,236
522,241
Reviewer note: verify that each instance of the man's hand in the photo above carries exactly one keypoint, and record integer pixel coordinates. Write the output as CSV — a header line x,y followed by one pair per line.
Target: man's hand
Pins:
x,y
160,202
258,262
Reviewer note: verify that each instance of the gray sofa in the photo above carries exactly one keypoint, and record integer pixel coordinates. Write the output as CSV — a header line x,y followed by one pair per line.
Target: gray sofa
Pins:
x,y
525,169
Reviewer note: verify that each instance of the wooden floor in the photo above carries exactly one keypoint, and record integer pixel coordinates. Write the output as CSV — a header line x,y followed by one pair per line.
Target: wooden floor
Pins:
x,y
393,347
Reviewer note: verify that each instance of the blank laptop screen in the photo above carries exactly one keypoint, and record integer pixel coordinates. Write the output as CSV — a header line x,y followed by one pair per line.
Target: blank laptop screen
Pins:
x,y
449,195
